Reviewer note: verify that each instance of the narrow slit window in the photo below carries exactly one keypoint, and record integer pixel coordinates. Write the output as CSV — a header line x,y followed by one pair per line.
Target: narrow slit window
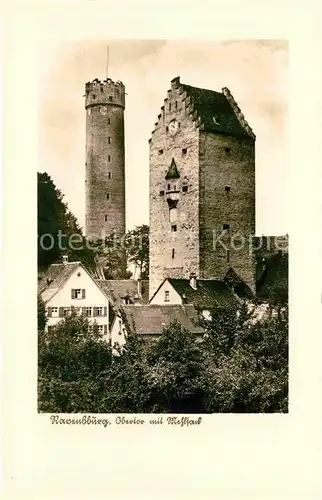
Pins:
x,y
169,106
228,256
176,105
173,253
110,175
105,218
107,196
109,121
109,140
109,158
169,187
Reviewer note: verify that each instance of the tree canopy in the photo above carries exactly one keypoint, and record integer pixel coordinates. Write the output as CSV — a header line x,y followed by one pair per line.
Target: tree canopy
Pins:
x,y
238,366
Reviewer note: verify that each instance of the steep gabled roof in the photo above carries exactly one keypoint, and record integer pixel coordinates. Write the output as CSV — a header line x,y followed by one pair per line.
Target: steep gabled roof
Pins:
x,y
57,275
54,279
217,112
172,172
208,294
152,319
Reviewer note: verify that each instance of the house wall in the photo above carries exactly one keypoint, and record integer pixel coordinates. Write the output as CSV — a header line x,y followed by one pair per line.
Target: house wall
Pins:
x,y
93,297
174,297
185,240
117,335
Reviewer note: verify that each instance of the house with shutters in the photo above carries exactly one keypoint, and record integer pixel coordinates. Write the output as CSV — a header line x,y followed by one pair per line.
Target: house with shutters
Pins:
x,y
68,287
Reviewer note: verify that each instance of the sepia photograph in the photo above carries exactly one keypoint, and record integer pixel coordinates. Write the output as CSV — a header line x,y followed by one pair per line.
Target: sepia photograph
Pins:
x,y
162,232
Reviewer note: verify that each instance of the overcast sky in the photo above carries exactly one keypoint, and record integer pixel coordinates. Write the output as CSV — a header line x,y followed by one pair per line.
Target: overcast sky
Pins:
x,y
256,72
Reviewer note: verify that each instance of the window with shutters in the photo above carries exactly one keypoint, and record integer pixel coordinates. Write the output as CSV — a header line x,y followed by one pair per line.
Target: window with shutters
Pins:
x,y
100,328
54,311
88,311
98,311
78,293
66,311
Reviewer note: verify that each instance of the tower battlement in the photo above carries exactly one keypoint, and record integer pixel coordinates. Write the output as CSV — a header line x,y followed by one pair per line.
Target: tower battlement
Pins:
x,y
104,92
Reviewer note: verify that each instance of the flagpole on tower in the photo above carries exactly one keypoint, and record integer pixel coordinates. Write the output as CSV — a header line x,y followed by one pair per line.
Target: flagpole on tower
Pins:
x,y
107,60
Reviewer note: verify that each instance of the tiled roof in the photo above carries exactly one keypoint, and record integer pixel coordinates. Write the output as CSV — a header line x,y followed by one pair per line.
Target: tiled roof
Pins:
x,y
54,278
117,290
215,111
208,294
273,284
152,319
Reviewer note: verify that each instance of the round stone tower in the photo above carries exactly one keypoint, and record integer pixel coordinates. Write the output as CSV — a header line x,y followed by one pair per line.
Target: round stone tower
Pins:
x,y
105,178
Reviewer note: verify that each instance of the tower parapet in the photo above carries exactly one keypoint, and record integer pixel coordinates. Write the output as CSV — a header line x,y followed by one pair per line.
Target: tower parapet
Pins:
x,y
98,93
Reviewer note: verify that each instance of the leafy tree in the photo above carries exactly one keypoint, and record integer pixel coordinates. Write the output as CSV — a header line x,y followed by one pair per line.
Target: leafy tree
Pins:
x,y
137,248
73,362
56,226
42,319
240,365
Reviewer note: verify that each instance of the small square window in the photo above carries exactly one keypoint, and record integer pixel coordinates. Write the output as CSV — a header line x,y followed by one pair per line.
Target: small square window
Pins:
x,y
161,193
110,98
227,150
105,218
226,226
167,296
160,151
184,151
184,189
174,228
173,253
227,189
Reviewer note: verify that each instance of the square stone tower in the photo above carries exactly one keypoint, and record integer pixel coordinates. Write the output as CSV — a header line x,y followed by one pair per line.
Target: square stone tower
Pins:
x,y
202,187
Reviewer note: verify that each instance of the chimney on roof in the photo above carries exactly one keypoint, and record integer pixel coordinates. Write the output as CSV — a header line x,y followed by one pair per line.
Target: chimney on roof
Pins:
x,y
193,281
65,259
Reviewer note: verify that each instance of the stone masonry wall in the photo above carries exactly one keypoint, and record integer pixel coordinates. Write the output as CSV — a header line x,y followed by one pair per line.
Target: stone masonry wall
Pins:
x,y
227,196
185,240
105,177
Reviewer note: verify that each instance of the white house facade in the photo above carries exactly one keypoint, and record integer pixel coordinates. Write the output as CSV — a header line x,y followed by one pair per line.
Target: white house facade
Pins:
x,y
69,287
